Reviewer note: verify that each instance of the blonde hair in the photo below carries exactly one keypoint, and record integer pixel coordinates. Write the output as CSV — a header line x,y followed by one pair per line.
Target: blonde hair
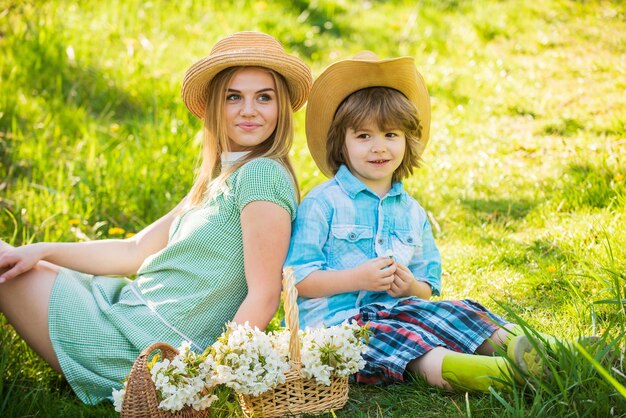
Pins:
x,y
211,176
388,109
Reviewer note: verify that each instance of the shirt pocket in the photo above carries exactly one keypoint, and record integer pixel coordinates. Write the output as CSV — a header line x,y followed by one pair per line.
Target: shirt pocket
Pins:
x,y
406,243
351,245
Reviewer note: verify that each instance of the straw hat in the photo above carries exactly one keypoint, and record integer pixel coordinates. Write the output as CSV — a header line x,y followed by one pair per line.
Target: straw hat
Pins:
x,y
343,78
245,49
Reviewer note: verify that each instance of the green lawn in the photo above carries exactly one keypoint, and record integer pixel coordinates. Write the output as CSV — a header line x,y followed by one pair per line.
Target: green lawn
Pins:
x,y
524,177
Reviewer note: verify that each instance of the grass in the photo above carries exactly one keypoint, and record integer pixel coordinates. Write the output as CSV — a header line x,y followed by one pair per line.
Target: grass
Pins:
x,y
524,176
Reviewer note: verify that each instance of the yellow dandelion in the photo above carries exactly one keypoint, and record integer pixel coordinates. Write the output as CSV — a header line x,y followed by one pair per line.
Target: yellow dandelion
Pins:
x,y
129,234
618,177
116,230
551,269
114,127
74,222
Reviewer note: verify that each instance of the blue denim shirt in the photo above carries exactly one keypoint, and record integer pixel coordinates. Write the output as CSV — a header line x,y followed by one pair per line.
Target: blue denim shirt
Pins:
x,y
341,224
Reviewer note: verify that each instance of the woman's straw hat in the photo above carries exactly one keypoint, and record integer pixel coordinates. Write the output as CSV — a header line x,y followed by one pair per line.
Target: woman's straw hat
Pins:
x,y
245,49
341,79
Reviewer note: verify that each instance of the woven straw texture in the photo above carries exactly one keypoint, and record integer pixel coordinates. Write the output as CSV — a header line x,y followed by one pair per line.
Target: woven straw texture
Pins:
x,y
297,395
141,400
246,49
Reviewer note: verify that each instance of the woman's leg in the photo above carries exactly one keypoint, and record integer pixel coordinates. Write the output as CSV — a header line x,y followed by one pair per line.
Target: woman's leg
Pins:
x,y
24,301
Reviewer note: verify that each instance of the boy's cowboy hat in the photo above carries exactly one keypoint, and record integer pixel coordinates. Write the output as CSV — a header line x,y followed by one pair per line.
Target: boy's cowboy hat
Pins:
x,y
341,79
245,49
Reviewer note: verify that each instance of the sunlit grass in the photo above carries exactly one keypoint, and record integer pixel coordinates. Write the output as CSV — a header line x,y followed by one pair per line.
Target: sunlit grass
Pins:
x,y
524,176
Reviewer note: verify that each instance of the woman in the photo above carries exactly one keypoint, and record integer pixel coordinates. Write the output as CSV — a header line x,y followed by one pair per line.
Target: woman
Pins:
x,y
217,256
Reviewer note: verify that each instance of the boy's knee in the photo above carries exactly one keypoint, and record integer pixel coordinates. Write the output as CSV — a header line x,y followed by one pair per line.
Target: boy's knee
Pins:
x,y
429,367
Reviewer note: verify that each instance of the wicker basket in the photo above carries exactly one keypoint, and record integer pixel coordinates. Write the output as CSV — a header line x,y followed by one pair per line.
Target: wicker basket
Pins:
x,y
141,399
297,395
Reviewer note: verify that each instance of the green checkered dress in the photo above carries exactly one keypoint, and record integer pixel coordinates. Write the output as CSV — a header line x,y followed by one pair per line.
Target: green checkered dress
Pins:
x,y
187,291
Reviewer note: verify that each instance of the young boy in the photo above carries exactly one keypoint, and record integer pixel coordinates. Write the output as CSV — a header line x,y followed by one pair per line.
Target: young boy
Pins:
x,y
362,248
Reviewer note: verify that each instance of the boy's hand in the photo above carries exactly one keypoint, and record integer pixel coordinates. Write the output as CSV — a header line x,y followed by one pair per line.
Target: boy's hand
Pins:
x,y
376,275
405,284
402,281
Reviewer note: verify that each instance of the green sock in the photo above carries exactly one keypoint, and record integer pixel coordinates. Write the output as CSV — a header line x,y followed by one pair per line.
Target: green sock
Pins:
x,y
469,372
514,332
553,342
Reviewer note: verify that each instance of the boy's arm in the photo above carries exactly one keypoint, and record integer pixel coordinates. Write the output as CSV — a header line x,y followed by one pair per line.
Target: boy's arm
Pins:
x,y
308,258
426,267
375,275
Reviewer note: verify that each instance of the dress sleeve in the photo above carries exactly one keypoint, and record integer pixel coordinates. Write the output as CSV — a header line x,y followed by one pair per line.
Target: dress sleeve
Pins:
x,y
308,239
266,180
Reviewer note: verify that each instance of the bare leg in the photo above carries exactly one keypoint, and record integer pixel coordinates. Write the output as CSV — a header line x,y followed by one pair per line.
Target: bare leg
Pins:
x,y
499,339
450,370
24,301
429,367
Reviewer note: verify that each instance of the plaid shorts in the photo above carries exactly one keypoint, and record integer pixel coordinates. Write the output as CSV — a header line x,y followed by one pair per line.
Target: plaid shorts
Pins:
x,y
413,327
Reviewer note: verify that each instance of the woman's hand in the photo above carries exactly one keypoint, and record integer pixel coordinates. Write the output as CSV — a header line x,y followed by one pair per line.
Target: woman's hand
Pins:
x,y
17,260
99,257
376,275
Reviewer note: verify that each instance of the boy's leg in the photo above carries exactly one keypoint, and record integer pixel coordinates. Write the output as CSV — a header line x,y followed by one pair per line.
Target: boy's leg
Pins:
x,y
529,351
526,355
470,372
499,339
429,367
509,333
449,370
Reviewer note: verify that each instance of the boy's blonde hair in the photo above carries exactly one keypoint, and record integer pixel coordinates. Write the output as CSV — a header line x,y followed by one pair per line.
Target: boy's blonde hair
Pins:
x,y
388,109
211,177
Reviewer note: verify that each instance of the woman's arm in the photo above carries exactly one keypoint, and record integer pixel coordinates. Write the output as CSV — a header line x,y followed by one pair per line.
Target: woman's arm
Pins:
x,y
266,229
101,257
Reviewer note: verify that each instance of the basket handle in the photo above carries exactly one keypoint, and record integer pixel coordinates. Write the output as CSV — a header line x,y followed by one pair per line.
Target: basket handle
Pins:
x,y
167,351
141,398
290,297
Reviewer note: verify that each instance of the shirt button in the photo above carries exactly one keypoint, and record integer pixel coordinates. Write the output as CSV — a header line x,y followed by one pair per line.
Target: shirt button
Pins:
x,y
380,240
352,235
410,240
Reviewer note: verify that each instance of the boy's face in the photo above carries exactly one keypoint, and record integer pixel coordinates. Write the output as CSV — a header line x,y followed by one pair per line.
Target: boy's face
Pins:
x,y
374,155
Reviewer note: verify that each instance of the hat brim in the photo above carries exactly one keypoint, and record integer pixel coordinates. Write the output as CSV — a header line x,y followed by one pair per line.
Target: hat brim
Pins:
x,y
296,73
343,78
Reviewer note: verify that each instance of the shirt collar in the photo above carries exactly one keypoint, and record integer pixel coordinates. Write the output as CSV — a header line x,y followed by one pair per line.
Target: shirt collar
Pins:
x,y
353,186
231,157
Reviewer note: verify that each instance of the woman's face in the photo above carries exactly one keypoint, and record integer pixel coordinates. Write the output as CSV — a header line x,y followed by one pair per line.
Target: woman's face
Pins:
x,y
251,108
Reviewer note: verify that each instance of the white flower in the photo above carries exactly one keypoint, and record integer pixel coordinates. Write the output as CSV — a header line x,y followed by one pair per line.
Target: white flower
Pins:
x,y
118,398
334,351
252,362
247,360
182,380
